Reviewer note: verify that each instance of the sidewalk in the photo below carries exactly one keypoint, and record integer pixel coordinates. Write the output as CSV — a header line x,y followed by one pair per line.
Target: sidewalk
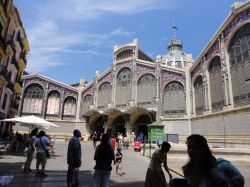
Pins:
x,y
181,150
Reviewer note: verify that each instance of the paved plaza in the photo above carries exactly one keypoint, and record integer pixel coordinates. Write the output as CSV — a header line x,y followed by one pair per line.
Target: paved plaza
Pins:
x,y
134,168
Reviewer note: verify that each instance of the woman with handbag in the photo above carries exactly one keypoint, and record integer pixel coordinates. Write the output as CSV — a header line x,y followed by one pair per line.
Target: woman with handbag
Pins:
x,y
42,143
30,150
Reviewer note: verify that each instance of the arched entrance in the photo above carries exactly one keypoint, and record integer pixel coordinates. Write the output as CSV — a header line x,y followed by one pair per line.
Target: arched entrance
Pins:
x,y
141,125
119,125
140,118
99,126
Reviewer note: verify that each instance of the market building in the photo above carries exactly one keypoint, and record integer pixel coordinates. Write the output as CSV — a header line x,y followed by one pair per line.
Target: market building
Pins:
x,y
209,95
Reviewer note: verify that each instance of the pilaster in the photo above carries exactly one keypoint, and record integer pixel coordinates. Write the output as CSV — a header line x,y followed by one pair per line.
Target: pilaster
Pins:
x,y
45,99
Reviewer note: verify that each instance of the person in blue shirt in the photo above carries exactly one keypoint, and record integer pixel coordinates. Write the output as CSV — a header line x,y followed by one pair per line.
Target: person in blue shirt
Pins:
x,y
140,137
74,158
231,173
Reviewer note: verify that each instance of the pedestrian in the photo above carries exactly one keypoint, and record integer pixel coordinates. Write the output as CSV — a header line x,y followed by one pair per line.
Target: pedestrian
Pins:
x,y
118,161
201,169
231,173
42,143
155,175
94,139
30,150
74,156
104,155
113,143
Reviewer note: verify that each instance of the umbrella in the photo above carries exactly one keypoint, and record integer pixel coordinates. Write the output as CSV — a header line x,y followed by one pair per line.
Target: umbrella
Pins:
x,y
32,121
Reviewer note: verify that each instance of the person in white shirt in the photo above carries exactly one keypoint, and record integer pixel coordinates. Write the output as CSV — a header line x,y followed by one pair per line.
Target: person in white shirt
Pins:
x,y
42,144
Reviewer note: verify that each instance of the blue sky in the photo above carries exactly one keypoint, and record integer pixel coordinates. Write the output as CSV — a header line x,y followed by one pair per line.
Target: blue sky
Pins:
x,y
71,39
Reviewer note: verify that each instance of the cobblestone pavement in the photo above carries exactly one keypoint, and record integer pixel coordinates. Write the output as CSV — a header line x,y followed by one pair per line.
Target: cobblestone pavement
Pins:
x,y
134,168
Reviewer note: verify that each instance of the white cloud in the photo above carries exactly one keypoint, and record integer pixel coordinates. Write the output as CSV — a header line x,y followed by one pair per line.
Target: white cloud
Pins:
x,y
91,9
57,28
121,31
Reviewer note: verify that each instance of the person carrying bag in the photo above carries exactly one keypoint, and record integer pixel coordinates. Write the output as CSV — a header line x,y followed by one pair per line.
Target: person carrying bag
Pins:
x,y
41,153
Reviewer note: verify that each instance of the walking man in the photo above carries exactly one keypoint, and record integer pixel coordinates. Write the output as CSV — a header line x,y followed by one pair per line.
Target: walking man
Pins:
x,y
74,159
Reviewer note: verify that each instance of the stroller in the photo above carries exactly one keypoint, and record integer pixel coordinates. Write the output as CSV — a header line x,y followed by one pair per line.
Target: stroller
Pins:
x,y
178,181
137,146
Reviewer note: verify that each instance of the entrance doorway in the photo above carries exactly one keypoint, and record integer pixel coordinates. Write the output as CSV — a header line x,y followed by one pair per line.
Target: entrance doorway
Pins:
x,y
99,127
119,125
141,125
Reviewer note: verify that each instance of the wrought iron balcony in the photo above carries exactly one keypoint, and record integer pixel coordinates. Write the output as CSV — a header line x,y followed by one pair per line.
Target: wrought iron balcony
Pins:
x,y
2,69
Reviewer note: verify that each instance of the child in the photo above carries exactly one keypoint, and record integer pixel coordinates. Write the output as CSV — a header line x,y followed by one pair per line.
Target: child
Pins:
x,y
118,160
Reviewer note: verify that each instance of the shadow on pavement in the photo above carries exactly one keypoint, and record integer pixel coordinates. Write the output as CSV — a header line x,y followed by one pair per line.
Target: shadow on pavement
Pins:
x,y
54,179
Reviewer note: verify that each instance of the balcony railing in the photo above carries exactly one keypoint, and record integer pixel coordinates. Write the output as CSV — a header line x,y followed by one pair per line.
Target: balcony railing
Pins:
x,y
10,85
2,69
2,43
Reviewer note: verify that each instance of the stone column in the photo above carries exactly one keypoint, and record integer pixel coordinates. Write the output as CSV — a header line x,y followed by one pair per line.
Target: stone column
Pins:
x,y
193,98
61,104
188,93
133,88
113,85
78,106
20,107
226,72
158,99
209,102
45,99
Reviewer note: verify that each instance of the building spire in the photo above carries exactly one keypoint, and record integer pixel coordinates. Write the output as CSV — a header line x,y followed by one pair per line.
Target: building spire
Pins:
x,y
174,32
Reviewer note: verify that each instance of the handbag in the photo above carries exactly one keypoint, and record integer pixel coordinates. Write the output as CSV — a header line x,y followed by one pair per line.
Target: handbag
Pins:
x,y
46,150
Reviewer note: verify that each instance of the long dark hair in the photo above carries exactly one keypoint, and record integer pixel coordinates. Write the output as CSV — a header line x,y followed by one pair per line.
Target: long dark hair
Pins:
x,y
201,161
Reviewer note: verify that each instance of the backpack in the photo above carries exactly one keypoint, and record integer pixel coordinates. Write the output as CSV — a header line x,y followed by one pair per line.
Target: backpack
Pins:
x,y
230,172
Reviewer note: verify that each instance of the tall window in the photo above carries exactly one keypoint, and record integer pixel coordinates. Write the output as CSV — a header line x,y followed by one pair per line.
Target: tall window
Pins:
x,y
33,99
146,90
53,103
69,107
104,95
199,95
239,53
86,102
124,54
216,85
123,87
174,103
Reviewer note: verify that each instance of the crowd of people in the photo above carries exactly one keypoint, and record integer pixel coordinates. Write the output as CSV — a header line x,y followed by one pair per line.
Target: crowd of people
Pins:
x,y
201,170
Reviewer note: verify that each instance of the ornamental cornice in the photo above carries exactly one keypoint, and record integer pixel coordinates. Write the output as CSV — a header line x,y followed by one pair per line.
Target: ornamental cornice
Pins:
x,y
68,93
168,76
143,69
36,80
106,78
241,17
88,91
122,65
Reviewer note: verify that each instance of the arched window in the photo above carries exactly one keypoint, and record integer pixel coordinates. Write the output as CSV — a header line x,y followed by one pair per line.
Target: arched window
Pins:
x,y
86,102
104,95
239,53
146,90
124,54
53,104
216,85
33,100
174,102
69,108
199,95
123,87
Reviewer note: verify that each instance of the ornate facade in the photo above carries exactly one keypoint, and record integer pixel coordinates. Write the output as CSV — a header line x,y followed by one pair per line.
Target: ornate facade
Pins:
x,y
209,96
13,49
